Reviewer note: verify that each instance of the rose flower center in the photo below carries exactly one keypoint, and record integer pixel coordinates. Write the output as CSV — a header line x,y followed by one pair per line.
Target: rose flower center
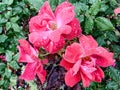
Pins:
x,y
87,58
53,26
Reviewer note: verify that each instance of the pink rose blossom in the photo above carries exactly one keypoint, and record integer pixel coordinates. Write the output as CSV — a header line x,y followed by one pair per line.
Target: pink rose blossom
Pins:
x,y
34,65
48,29
83,61
117,11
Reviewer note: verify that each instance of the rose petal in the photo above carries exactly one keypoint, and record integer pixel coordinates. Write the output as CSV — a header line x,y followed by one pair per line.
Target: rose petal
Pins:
x,y
39,23
23,57
86,81
41,74
87,42
61,6
75,31
63,18
46,9
103,57
55,35
76,67
71,79
53,47
37,38
86,70
73,53
66,64
29,72
98,74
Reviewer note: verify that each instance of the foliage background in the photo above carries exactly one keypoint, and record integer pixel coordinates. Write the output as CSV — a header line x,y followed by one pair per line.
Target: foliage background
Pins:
x,y
96,16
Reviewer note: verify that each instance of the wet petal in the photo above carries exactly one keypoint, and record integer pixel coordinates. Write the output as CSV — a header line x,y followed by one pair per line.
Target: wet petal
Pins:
x,y
66,64
62,6
86,81
71,79
39,39
75,31
103,57
55,35
23,57
63,18
46,9
98,74
87,42
53,47
29,72
73,53
87,71
39,23
41,74
76,67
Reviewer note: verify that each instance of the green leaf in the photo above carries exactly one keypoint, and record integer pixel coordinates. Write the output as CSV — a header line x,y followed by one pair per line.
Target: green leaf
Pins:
x,y
14,64
111,85
2,50
14,19
7,73
92,1
95,8
16,27
36,3
115,74
104,24
13,80
8,25
3,37
89,24
0,29
112,36
33,86
2,66
8,55
8,2
116,48
1,82
101,41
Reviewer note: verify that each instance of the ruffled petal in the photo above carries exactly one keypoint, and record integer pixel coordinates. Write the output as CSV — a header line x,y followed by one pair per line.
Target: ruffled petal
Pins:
x,y
55,35
87,71
75,31
86,81
87,42
73,53
61,6
103,57
53,47
62,18
41,74
39,39
71,79
23,57
76,67
29,72
46,9
66,64
98,74
117,11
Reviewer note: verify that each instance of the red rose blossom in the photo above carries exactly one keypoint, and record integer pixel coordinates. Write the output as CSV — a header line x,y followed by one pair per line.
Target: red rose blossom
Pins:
x,y
48,29
83,61
34,65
